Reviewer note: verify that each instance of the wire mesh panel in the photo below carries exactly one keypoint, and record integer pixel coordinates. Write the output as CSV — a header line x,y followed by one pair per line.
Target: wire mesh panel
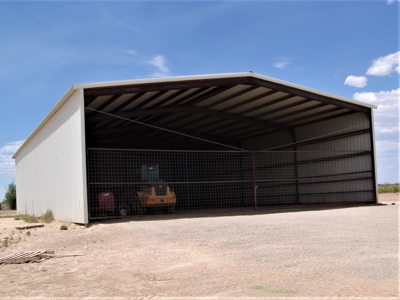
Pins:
x,y
149,181
130,182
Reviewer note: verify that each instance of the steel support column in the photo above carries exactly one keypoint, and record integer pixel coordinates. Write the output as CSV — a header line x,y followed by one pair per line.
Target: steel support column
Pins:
x,y
296,175
255,186
373,155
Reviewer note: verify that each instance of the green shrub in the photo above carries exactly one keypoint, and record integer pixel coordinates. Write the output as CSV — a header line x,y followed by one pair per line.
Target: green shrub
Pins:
x,y
63,227
48,216
388,188
10,198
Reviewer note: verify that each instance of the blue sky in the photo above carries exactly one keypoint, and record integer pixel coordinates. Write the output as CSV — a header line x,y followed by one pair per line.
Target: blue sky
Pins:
x,y
348,48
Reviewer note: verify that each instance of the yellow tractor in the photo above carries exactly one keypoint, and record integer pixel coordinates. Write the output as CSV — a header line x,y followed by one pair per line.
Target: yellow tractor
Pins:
x,y
153,194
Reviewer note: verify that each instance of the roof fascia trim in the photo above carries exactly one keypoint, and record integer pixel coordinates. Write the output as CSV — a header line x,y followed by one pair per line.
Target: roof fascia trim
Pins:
x,y
160,80
217,76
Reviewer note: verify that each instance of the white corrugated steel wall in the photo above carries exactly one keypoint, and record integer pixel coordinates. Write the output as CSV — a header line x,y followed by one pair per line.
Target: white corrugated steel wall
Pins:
x,y
51,168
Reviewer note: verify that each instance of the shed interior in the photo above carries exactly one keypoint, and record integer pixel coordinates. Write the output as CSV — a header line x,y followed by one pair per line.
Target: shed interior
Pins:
x,y
229,142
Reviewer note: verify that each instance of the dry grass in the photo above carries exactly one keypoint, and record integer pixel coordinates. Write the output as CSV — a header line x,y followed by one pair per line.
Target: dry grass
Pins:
x,y
27,218
388,188
48,216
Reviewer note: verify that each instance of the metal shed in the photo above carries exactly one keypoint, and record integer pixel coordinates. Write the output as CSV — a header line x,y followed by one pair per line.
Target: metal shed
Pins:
x,y
239,140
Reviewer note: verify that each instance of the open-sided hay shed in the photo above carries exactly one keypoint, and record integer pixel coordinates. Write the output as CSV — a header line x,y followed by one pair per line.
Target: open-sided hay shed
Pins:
x,y
223,141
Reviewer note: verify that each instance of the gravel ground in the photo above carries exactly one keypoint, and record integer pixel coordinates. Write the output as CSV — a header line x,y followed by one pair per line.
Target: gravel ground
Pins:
x,y
328,253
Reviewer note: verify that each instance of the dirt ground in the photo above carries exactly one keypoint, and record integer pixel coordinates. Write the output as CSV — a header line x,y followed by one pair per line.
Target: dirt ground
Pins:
x,y
330,253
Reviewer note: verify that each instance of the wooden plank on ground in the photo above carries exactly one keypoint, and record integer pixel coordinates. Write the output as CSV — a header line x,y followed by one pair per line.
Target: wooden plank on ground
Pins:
x,y
24,257
29,226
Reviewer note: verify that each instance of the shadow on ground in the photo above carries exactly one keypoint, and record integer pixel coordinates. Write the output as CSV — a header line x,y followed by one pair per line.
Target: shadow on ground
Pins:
x,y
212,213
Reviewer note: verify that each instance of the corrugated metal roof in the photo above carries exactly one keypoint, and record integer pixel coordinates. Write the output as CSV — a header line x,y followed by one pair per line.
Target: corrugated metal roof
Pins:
x,y
211,77
222,106
216,107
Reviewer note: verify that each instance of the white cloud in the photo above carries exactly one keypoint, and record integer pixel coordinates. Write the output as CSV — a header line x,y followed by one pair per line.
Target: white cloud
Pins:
x,y
387,101
7,166
390,1
131,52
388,160
282,63
387,113
387,145
356,81
386,116
159,62
385,65
368,97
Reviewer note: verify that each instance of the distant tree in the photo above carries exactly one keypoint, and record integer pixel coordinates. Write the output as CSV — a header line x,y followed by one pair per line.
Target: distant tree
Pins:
x,y
10,198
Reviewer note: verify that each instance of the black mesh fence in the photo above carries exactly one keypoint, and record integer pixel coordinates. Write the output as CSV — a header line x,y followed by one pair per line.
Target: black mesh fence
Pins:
x,y
131,182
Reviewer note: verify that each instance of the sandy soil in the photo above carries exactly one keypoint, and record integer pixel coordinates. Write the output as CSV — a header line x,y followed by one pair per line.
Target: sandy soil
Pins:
x,y
389,198
330,253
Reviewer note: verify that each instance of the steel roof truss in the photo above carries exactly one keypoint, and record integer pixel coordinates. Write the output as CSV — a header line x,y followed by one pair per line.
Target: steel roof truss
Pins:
x,y
162,86
297,112
216,91
225,99
317,114
228,116
310,95
268,104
